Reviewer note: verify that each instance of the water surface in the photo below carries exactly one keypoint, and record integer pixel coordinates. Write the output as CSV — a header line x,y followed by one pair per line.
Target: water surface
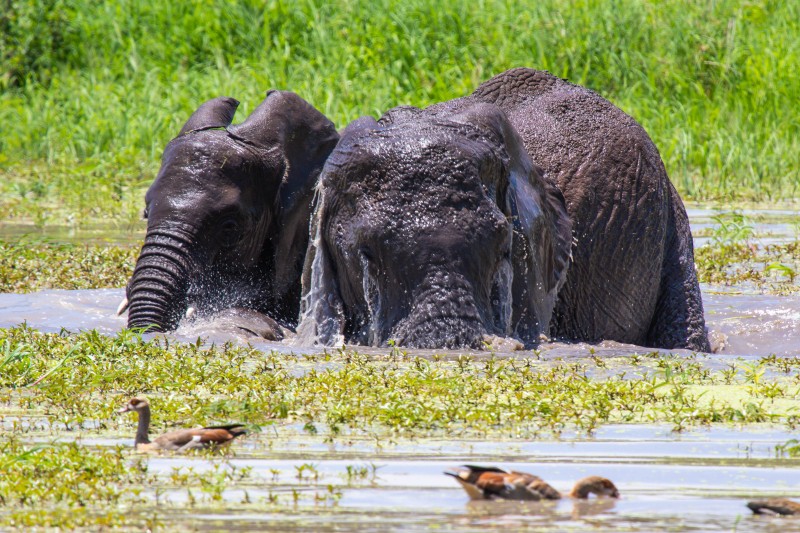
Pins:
x,y
752,324
693,481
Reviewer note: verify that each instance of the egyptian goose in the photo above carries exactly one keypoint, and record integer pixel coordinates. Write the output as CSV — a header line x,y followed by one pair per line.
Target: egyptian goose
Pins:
x,y
492,483
775,506
179,440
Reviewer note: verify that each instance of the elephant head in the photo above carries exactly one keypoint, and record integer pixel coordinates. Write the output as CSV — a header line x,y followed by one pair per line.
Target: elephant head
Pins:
x,y
432,229
228,213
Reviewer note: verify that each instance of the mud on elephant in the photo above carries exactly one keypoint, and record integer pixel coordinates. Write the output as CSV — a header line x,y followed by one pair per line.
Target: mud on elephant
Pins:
x,y
437,227
228,214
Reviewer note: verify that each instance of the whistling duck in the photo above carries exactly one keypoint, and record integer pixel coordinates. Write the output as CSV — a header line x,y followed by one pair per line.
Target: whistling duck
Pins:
x,y
179,440
491,483
775,506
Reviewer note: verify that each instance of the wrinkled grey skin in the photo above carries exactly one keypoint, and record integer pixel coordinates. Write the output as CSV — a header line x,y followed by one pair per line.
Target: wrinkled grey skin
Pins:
x,y
436,226
433,230
228,213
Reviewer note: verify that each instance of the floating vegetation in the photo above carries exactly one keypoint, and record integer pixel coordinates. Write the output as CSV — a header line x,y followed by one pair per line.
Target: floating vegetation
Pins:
x,y
770,268
75,379
32,265
64,479
732,257
70,385
70,485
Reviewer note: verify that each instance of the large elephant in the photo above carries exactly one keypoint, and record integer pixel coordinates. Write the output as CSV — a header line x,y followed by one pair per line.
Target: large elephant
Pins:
x,y
437,227
228,213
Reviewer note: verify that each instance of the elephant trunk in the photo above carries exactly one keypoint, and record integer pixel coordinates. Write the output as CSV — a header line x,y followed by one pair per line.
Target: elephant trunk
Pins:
x,y
445,314
157,290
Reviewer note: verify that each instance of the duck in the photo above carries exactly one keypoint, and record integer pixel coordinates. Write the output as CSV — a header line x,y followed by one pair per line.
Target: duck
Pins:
x,y
492,483
775,506
180,440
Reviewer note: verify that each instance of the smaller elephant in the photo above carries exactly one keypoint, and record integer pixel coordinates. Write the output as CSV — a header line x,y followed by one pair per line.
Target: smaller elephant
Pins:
x,y
228,214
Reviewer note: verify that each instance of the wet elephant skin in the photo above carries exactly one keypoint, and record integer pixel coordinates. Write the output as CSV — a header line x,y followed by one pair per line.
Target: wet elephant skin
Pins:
x,y
433,230
533,206
228,213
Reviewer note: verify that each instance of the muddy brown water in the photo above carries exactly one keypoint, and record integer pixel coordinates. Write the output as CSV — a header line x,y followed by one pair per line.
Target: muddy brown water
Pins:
x,y
751,324
693,481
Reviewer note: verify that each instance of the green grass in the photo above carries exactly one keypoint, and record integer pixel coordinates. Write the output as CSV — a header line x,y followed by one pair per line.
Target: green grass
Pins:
x,y
91,92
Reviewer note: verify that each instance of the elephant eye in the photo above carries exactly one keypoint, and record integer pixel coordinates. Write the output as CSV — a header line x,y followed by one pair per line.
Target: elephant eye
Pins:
x,y
365,254
367,259
145,213
229,231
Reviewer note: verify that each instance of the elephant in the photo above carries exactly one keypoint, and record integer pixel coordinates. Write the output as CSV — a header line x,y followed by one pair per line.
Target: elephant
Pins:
x,y
532,208
228,215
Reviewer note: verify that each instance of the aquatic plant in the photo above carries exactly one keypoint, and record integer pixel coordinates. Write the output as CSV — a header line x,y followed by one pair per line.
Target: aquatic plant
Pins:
x,y
69,485
31,264
69,385
348,392
79,486
771,268
790,448
732,228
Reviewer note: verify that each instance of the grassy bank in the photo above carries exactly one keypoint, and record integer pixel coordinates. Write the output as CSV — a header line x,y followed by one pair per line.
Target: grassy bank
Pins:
x,y
92,92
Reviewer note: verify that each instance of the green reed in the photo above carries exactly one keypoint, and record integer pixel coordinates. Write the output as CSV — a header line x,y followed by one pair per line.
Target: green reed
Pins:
x,y
103,86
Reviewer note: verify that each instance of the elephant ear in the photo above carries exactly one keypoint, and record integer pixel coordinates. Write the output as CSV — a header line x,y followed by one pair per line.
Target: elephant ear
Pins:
x,y
305,136
542,240
322,314
216,113
303,139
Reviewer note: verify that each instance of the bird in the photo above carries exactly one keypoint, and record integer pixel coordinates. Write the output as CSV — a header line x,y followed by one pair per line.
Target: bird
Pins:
x,y
492,483
775,506
180,440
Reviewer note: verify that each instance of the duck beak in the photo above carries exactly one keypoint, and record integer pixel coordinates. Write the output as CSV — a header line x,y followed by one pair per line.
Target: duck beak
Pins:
x,y
124,409
455,472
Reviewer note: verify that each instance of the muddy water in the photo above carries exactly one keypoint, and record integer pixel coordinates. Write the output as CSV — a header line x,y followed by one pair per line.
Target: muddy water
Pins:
x,y
743,321
752,324
769,225
695,481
